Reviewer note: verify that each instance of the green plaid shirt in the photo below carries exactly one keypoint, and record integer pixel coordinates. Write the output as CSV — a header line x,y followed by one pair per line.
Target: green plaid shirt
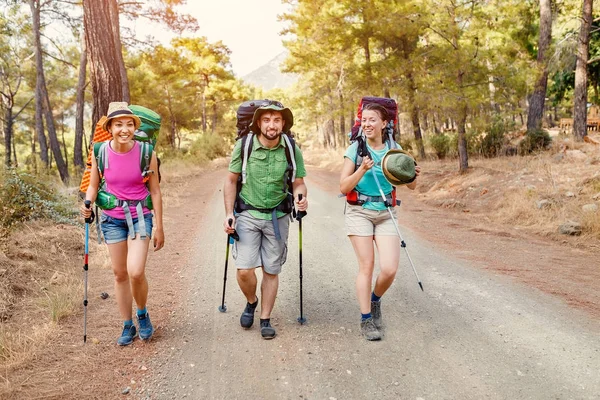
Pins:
x,y
264,175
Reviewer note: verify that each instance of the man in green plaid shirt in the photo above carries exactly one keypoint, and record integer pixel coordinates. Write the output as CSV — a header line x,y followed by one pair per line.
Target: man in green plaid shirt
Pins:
x,y
263,224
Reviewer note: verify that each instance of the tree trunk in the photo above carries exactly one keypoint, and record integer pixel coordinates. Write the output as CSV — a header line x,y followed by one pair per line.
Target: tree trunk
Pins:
x,y
580,92
173,133
79,130
214,118
42,93
537,99
8,118
14,149
463,155
342,119
107,84
113,9
39,121
414,115
61,165
436,130
203,111
64,144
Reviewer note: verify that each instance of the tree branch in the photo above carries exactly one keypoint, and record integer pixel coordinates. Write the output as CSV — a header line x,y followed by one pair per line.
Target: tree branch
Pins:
x,y
58,59
22,108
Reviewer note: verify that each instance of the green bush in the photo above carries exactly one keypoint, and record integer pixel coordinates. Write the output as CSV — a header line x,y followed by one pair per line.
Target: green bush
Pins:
x,y
23,197
535,140
209,146
440,144
492,143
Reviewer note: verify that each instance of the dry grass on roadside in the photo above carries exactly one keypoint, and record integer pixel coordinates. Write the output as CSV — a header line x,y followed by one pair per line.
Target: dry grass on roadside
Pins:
x,y
41,282
537,192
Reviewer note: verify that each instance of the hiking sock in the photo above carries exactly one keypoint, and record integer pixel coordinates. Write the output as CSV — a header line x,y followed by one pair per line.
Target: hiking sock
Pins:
x,y
266,320
365,316
129,322
374,297
142,312
253,305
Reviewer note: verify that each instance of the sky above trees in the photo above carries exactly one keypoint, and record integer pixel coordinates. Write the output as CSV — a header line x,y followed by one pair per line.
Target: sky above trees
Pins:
x,y
250,29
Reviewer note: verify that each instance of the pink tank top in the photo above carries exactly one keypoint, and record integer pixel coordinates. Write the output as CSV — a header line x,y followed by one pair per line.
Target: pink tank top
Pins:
x,y
124,179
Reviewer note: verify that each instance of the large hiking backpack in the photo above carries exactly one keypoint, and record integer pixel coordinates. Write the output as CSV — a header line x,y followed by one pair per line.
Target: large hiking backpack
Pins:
x,y
147,133
245,115
357,135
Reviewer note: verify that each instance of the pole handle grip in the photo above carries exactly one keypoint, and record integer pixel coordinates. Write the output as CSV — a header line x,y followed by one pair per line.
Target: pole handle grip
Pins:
x,y
233,235
88,204
300,214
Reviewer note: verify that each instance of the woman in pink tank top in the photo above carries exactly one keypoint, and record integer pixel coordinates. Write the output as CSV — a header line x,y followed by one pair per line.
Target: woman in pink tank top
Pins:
x,y
127,228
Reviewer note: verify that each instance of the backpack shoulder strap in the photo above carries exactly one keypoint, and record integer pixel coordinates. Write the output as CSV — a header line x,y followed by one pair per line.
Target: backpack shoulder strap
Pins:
x,y
290,153
146,150
247,142
390,139
361,151
100,156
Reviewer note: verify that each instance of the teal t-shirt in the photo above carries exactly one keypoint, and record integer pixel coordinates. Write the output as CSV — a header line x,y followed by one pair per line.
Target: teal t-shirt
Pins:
x,y
367,184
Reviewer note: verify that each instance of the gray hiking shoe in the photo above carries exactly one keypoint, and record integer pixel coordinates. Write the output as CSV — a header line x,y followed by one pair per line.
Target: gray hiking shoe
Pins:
x,y
369,330
376,313
247,317
266,330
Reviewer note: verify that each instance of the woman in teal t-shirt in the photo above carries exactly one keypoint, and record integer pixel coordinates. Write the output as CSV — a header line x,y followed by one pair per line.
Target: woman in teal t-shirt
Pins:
x,y
368,220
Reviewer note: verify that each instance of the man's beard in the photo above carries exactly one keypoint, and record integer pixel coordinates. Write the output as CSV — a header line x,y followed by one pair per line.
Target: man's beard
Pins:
x,y
270,135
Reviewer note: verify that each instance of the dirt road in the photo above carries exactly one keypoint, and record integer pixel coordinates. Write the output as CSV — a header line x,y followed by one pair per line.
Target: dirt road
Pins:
x,y
481,330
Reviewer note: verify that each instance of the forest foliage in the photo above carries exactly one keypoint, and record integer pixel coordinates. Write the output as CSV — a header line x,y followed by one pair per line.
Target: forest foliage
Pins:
x,y
460,69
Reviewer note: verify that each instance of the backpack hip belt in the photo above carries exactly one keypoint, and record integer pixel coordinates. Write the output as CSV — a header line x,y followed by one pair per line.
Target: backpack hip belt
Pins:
x,y
355,198
109,201
286,206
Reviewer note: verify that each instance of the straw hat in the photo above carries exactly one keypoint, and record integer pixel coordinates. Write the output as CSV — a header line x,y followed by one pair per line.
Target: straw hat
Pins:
x,y
286,113
398,167
118,109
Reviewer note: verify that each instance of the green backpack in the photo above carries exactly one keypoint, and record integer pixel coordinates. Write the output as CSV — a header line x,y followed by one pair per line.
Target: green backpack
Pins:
x,y
150,126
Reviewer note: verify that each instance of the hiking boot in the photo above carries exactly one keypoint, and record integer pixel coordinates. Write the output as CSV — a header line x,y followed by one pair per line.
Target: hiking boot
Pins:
x,y
247,318
266,330
146,328
126,338
376,313
369,330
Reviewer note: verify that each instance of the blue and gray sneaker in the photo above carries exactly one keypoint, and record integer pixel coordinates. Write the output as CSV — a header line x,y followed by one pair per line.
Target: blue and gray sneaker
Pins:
x,y
146,329
126,338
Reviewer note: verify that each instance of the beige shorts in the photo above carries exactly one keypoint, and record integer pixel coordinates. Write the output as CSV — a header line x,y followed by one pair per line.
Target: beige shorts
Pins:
x,y
258,246
364,222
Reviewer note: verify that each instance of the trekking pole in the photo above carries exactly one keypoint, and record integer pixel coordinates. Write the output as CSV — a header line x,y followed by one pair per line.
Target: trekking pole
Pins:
x,y
230,238
299,216
88,221
402,242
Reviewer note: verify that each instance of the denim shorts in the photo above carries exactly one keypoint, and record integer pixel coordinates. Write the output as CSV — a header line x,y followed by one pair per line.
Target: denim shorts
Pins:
x,y
115,230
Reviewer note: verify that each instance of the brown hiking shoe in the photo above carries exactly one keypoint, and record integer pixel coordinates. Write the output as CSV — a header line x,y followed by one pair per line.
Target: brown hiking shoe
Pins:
x,y
376,313
369,330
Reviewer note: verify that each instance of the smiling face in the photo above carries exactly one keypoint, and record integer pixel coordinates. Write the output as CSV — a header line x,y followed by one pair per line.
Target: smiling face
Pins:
x,y
271,124
372,124
122,129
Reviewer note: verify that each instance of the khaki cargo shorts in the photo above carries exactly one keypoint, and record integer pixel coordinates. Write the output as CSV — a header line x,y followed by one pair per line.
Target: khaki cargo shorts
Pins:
x,y
364,222
257,245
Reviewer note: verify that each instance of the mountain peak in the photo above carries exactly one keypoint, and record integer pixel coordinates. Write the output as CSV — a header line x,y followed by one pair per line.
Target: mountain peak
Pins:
x,y
269,75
